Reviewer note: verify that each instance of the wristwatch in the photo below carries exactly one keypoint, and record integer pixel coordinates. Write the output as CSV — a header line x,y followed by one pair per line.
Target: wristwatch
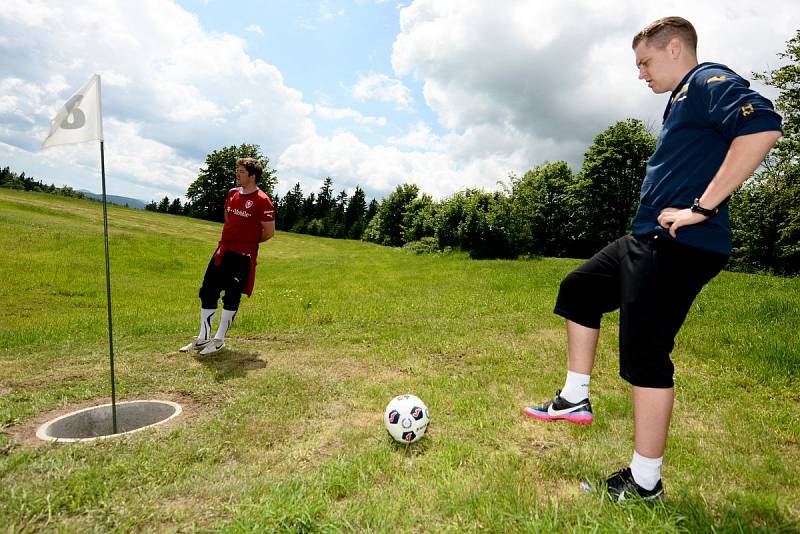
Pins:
x,y
697,208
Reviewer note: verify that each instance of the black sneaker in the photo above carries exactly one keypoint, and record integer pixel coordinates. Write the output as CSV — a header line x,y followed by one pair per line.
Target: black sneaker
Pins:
x,y
621,486
579,413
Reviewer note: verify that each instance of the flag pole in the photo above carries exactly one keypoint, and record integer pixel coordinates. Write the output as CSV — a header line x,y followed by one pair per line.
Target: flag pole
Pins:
x,y
79,120
108,293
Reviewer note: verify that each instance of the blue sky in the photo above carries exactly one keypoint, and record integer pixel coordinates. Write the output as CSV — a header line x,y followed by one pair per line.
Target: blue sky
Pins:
x,y
441,93
322,49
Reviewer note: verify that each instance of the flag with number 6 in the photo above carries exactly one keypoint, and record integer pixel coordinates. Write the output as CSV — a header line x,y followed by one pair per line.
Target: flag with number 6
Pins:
x,y
80,119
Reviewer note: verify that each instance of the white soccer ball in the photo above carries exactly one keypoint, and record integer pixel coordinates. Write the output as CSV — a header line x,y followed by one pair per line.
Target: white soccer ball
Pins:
x,y
406,418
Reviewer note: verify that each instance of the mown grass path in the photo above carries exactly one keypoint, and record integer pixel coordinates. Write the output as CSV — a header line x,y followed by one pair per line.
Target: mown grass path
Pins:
x,y
283,430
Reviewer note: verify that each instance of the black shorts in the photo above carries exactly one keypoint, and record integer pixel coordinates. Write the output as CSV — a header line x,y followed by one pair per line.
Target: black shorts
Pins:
x,y
231,276
653,281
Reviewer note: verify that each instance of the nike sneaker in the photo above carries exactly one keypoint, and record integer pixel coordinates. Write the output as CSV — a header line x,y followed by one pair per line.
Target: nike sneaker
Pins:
x,y
579,413
196,344
621,487
214,345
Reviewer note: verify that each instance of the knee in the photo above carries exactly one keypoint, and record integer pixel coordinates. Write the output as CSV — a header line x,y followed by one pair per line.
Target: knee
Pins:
x,y
231,299
646,368
574,303
208,297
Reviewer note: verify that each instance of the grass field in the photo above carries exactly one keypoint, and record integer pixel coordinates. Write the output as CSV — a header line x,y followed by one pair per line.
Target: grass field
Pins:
x,y
283,430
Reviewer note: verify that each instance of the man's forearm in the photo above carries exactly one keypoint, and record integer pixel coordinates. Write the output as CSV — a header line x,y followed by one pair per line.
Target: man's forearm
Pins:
x,y
744,156
267,231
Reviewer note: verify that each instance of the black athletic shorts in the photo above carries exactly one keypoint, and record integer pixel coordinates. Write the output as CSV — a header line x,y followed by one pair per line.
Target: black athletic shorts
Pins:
x,y
231,276
653,282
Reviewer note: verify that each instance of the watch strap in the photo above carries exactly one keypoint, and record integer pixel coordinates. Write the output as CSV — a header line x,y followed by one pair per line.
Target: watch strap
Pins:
x,y
697,208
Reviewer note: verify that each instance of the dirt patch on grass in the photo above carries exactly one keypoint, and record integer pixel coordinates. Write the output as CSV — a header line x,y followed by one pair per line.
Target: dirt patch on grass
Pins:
x,y
336,367
24,434
564,488
539,446
272,340
308,449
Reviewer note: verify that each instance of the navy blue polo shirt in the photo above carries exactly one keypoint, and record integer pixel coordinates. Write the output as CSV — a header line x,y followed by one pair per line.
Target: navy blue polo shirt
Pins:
x,y
710,107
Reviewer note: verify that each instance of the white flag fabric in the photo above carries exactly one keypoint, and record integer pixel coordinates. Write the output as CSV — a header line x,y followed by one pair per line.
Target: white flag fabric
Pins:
x,y
80,119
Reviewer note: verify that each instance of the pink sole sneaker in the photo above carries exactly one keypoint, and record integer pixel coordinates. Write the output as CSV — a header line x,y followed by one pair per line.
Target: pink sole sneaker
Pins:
x,y
576,418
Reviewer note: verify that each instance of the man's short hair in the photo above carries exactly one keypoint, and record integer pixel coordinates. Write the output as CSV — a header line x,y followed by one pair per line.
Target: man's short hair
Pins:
x,y
252,166
659,33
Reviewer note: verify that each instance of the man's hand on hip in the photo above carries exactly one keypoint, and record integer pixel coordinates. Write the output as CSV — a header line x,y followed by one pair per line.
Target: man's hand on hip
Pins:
x,y
674,218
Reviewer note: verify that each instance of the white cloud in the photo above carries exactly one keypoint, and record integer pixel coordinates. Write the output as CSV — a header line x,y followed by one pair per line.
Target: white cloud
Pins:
x,y
518,86
173,90
351,162
479,158
330,113
325,14
328,15
564,71
129,157
383,88
509,88
255,28
164,168
420,136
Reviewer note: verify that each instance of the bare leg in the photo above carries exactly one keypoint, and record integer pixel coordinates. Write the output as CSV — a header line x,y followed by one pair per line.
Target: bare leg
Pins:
x,y
581,347
652,409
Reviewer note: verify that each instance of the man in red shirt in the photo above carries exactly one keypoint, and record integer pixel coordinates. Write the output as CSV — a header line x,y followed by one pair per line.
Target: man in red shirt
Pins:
x,y
249,220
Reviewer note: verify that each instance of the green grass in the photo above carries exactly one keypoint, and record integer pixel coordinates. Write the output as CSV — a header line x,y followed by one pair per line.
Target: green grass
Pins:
x,y
283,431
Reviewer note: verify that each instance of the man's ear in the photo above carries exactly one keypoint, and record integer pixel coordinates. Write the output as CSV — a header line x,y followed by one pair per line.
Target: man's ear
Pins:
x,y
675,47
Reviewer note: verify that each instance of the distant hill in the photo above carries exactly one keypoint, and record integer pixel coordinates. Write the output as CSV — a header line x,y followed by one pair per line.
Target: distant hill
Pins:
x,y
114,199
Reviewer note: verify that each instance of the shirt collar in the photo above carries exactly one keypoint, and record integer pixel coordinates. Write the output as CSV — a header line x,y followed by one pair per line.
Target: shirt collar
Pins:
x,y
679,87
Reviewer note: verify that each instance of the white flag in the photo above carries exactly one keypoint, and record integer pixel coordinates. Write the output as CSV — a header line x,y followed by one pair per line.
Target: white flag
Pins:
x,y
80,119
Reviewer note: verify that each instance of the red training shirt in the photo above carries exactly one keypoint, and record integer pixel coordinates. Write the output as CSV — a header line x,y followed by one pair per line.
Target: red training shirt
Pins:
x,y
244,215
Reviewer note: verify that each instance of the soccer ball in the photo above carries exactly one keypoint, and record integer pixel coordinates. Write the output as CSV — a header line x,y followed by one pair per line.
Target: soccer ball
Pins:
x,y
406,418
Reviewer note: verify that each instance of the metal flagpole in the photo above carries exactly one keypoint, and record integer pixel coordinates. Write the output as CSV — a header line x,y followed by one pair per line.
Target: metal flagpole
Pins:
x,y
108,294
79,120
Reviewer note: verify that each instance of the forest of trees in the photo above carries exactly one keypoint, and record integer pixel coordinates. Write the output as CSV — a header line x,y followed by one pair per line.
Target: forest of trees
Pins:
x,y
174,206
549,211
11,180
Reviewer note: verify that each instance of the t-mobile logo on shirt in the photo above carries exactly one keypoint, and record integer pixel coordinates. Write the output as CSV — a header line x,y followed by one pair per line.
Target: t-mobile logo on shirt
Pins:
x,y
239,212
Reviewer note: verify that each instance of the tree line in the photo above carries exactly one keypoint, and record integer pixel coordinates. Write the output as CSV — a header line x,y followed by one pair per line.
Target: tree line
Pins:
x,y
341,216
11,180
548,211
324,213
175,207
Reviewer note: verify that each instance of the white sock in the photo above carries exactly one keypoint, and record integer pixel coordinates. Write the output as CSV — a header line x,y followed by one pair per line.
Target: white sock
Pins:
x,y
576,388
646,471
224,322
206,316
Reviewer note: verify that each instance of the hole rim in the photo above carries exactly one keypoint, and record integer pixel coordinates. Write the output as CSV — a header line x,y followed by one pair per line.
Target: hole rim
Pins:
x,y
41,431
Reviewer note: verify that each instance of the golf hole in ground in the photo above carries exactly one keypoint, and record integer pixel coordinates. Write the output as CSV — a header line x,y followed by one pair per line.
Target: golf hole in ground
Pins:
x,y
96,422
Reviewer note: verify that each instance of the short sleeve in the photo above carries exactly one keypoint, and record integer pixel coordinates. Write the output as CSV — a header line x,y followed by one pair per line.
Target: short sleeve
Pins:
x,y
268,213
734,109
229,197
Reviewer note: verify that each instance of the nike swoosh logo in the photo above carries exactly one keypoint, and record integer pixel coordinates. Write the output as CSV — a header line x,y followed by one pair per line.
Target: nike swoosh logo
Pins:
x,y
552,412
